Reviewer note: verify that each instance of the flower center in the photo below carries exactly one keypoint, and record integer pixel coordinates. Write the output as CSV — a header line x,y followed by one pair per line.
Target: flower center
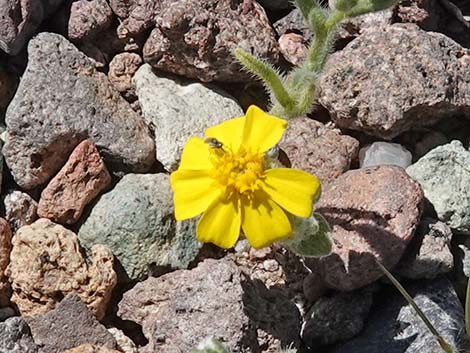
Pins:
x,y
237,171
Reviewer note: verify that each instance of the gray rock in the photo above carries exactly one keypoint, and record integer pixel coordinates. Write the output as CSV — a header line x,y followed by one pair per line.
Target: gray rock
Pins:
x,y
365,87
135,220
15,337
20,209
178,109
293,22
384,153
395,325
88,18
429,253
61,101
445,178
185,43
337,317
69,325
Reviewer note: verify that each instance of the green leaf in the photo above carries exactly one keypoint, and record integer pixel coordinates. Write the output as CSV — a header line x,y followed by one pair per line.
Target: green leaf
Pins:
x,y
311,237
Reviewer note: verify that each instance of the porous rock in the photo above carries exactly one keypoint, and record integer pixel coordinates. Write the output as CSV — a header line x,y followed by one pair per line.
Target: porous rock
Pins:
x,y
373,213
137,15
88,18
91,348
444,176
124,343
136,221
69,325
5,249
61,101
20,209
184,42
15,337
179,109
393,78
46,264
317,149
121,71
293,47
79,181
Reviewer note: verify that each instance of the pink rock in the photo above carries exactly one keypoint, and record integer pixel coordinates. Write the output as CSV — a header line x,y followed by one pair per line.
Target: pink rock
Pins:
x,y
317,149
87,18
5,249
373,213
293,47
81,179
121,70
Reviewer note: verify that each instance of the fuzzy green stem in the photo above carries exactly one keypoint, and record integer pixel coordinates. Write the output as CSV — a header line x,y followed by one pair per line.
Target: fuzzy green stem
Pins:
x,y
305,6
269,76
442,342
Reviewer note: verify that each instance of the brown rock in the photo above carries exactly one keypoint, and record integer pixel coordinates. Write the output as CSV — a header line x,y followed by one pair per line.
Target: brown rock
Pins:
x,y
184,41
90,348
81,179
138,15
373,213
5,249
46,264
69,325
424,13
293,47
20,209
394,78
88,18
317,149
121,70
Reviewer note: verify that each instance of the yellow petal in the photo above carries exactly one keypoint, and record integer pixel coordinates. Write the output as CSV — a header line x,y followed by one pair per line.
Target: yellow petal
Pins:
x,y
262,131
294,190
229,132
263,221
194,191
220,224
196,155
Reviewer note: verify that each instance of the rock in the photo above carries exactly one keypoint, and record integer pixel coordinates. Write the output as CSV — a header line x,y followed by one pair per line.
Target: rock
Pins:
x,y
15,337
121,70
338,317
8,83
429,141
61,101
373,213
124,343
20,209
138,15
5,249
135,220
46,264
317,149
364,86
293,47
178,109
90,348
461,272
429,253
88,18
185,43
69,325
395,325
384,153
424,13
177,310
79,181
293,22
444,177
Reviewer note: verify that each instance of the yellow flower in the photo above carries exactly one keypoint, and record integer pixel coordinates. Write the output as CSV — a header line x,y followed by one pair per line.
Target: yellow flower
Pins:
x,y
226,178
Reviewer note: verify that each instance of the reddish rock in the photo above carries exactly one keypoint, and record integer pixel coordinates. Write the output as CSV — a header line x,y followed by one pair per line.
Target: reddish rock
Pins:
x,y
121,70
424,13
5,249
20,209
81,179
317,149
293,47
137,15
88,18
373,213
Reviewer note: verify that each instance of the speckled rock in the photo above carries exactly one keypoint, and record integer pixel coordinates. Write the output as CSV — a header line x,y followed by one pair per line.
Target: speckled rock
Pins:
x,y
428,255
424,13
137,15
15,337
293,22
365,87
124,343
184,42
46,264
317,149
20,209
5,249
121,70
69,325
61,101
135,220
177,310
91,348
178,109
445,178
293,47
79,181
395,325
373,213
88,18
337,317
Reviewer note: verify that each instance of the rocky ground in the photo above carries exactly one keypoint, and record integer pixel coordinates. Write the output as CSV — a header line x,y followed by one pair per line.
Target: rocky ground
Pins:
x,y
98,98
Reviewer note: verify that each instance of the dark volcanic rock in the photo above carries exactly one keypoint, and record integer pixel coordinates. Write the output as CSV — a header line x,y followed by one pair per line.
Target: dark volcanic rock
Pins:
x,y
15,337
61,101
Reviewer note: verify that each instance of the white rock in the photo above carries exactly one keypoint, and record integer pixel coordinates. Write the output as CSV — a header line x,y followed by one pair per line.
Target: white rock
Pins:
x,y
384,153
178,109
